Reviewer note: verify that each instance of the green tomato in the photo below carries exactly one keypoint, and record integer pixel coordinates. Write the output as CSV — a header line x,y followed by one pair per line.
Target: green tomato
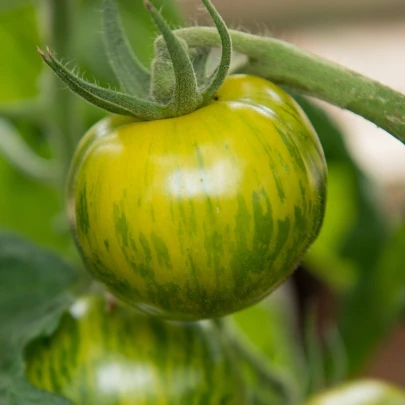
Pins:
x,y
366,392
100,357
201,215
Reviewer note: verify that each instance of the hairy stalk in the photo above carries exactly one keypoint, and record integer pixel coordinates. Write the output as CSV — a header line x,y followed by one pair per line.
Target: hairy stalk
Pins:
x,y
186,96
311,75
222,70
264,373
64,124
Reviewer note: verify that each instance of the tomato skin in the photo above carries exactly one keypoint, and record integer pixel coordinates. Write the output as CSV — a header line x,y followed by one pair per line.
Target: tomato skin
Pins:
x,y
205,214
363,392
122,357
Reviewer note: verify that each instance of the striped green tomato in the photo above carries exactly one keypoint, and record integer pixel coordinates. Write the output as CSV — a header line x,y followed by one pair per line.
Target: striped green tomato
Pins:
x,y
122,357
363,392
201,215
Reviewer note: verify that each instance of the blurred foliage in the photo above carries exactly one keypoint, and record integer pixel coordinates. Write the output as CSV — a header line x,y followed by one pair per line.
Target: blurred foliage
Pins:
x,y
20,66
376,303
31,209
34,293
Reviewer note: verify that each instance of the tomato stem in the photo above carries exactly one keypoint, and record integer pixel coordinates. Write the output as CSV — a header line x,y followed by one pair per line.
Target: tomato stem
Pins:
x,y
221,72
312,75
273,381
186,96
65,124
171,90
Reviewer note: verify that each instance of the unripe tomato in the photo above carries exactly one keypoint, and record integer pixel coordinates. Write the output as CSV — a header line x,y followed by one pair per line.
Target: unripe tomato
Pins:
x,y
205,214
122,357
365,392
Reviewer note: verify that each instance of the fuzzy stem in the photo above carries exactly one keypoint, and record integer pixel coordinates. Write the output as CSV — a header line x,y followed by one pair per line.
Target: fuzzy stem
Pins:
x,y
65,123
186,96
199,58
221,72
312,75
268,377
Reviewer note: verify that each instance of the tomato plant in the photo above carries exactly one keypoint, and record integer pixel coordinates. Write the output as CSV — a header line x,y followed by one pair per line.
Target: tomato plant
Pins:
x,y
201,215
195,199
118,356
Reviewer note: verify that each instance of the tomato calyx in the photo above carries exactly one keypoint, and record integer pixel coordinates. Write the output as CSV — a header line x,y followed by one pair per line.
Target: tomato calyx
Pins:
x,y
177,84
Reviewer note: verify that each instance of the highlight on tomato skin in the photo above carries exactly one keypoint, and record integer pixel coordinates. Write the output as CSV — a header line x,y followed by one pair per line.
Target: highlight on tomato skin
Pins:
x,y
361,392
201,215
121,356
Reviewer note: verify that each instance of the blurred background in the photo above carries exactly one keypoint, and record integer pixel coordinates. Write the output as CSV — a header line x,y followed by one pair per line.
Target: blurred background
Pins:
x,y
353,279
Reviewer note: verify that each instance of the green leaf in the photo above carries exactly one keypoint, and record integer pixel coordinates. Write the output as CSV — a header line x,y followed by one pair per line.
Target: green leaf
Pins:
x,y
34,293
20,66
382,296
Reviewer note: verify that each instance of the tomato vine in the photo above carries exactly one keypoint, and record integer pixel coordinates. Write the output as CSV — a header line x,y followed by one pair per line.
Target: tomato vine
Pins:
x,y
312,75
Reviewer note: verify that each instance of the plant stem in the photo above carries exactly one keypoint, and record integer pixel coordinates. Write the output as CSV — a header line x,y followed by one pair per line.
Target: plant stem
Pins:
x,y
311,75
18,153
65,122
272,381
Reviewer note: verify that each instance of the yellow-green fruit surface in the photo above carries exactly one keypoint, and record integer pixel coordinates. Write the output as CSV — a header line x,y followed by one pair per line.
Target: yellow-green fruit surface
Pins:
x,y
205,214
122,357
365,392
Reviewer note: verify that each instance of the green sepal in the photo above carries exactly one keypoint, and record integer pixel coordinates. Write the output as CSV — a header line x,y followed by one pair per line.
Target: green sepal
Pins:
x,y
35,291
132,75
186,96
110,100
162,77
220,73
173,83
